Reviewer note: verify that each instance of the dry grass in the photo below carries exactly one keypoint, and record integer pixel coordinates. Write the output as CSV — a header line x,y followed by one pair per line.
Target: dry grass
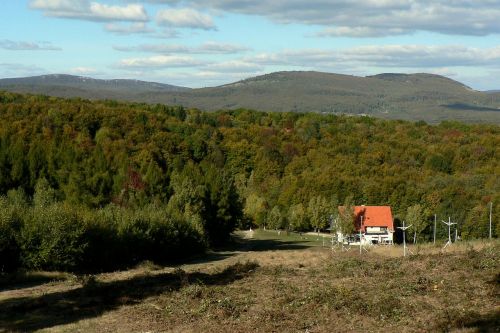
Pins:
x,y
266,285
429,248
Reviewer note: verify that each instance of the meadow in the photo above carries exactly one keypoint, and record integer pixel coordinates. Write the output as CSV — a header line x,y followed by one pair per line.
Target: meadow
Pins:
x,y
265,282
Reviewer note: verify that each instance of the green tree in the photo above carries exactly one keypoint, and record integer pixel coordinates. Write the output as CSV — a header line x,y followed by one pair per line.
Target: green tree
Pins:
x,y
187,200
36,161
345,220
98,179
10,226
256,208
476,223
416,217
18,170
224,209
44,194
318,211
298,218
275,219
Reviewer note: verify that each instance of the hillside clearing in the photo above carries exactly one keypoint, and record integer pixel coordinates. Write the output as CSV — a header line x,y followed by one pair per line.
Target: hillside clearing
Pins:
x,y
264,283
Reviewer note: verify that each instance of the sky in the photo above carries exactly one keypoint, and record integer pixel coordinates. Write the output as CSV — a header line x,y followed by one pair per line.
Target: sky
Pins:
x,y
212,42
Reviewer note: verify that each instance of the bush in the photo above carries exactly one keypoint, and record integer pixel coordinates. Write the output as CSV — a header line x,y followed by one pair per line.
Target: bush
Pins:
x,y
119,237
56,236
10,224
53,238
104,248
152,234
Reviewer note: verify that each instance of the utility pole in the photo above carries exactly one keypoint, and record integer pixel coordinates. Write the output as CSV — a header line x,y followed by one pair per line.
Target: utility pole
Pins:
x,y
404,237
449,224
333,250
435,217
333,224
360,226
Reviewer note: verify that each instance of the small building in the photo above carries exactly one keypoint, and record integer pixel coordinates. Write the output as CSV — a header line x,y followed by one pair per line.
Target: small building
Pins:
x,y
375,223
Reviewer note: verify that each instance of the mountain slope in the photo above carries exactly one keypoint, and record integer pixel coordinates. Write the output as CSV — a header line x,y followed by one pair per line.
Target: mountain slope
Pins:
x,y
63,85
427,97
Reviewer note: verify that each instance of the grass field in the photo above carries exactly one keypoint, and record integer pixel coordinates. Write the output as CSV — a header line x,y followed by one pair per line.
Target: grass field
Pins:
x,y
266,282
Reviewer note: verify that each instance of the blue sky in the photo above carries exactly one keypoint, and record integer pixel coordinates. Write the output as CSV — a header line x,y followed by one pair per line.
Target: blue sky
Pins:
x,y
212,42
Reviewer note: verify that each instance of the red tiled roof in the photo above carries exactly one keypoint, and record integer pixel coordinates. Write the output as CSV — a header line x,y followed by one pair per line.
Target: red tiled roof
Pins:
x,y
373,216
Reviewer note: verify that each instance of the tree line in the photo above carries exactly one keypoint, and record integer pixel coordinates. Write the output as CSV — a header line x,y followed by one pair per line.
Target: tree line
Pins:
x,y
203,174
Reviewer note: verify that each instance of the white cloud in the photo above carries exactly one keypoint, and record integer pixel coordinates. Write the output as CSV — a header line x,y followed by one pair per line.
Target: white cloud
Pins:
x,y
360,32
234,66
60,5
11,45
370,18
160,61
90,11
134,28
396,56
166,34
424,56
128,13
221,48
140,28
184,18
154,48
206,48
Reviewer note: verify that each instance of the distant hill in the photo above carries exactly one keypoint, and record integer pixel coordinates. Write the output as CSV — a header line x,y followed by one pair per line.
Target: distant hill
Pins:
x,y
427,97
63,85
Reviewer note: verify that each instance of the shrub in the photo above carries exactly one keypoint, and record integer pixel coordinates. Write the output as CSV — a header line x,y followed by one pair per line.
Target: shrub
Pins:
x,y
104,248
53,238
10,224
151,233
57,236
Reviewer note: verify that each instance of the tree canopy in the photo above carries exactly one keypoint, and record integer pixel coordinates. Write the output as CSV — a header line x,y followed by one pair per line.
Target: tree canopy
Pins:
x,y
225,169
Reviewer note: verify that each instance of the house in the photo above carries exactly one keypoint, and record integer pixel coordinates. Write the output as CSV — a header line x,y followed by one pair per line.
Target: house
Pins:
x,y
374,222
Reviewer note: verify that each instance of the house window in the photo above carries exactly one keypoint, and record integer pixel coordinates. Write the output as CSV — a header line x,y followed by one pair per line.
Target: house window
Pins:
x,y
376,230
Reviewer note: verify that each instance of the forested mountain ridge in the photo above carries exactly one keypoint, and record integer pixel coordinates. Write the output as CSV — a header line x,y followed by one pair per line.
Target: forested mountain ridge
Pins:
x,y
144,173
427,97
284,157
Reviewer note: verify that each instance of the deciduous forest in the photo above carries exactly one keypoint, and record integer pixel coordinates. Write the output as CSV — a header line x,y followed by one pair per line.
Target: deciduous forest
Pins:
x,y
98,185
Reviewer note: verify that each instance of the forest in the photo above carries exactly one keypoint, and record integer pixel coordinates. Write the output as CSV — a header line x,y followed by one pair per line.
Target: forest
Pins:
x,y
100,185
